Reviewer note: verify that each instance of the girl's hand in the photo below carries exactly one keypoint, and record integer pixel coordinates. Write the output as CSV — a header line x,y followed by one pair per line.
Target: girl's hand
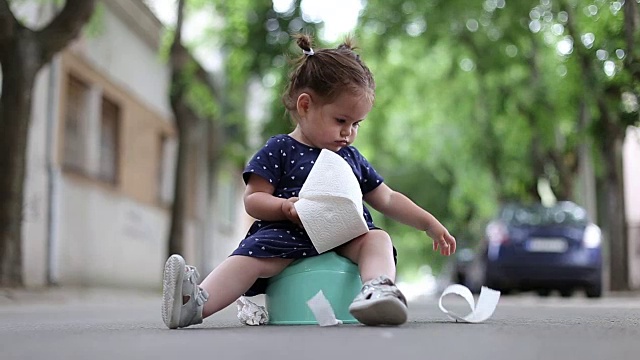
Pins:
x,y
290,211
442,240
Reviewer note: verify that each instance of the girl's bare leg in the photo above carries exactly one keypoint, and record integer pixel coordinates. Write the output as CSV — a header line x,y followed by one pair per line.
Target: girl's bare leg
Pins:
x,y
234,276
373,252
379,302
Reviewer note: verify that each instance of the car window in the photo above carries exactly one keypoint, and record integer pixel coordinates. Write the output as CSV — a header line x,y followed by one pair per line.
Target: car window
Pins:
x,y
537,215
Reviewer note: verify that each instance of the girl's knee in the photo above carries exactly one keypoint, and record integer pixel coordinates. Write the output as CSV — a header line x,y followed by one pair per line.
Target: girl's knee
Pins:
x,y
377,238
383,239
374,239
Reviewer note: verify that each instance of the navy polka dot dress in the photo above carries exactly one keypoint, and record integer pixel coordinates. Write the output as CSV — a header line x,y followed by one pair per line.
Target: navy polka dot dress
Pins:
x,y
286,163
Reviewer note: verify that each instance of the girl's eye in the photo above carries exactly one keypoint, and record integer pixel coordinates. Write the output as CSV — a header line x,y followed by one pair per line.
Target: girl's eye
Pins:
x,y
341,121
356,125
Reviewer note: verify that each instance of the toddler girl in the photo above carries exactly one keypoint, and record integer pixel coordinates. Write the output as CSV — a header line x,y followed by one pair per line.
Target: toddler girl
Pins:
x,y
329,95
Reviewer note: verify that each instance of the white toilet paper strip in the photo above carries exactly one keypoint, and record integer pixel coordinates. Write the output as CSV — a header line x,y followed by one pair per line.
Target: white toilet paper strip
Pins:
x,y
322,310
250,313
487,302
330,204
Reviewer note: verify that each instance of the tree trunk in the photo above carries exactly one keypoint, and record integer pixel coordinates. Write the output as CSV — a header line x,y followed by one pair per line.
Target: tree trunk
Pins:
x,y
616,223
537,153
585,164
184,117
185,71
19,68
178,209
611,149
23,52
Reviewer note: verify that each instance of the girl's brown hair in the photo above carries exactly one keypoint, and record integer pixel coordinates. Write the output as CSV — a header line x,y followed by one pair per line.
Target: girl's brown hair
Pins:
x,y
328,73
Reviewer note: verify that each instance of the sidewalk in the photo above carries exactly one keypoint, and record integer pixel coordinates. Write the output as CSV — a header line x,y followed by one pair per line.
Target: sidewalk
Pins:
x,y
97,306
61,295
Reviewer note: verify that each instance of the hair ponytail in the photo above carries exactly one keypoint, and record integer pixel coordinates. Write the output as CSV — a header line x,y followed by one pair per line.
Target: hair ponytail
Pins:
x,y
327,73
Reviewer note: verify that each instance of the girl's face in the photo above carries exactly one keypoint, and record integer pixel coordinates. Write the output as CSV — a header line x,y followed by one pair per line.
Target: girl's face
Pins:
x,y
330,126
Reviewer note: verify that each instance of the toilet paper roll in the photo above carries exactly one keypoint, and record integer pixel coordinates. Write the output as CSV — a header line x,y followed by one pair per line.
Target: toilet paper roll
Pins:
x,y
330,203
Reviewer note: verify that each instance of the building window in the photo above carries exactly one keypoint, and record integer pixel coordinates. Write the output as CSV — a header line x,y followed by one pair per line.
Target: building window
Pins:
x,y
109,129
74,125
91,132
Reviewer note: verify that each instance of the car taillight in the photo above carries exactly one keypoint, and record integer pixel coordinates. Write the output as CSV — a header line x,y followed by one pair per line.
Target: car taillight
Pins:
x,y
592,236
497,233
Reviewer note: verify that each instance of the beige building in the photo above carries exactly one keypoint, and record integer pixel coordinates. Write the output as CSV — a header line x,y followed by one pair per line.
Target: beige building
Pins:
x,y
101,157
631,151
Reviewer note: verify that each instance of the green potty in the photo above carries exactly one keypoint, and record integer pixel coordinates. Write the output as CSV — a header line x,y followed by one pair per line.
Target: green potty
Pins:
x,y
288,292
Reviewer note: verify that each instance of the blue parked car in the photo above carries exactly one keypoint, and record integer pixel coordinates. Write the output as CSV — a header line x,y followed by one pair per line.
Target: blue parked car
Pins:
x,y
533,247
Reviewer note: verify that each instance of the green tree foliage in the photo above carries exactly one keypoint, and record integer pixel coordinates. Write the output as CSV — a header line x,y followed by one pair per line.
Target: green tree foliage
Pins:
x,y
254,40
478,101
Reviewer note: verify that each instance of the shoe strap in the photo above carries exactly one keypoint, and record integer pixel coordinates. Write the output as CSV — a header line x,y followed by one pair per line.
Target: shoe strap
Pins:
x,y
202,296
191,274
383,285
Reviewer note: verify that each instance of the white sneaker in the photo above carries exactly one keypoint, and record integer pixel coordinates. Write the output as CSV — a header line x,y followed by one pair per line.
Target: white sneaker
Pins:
x,y
180,280
379,302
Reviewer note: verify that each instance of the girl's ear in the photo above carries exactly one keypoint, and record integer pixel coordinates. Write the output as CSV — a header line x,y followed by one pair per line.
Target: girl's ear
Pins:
x,y
303,104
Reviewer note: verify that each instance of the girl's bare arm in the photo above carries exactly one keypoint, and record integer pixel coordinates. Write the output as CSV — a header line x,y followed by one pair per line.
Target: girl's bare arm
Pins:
x,y
260,203
400,208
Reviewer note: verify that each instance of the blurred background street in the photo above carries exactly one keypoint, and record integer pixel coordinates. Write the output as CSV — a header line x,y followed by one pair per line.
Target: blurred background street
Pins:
x,y
107,324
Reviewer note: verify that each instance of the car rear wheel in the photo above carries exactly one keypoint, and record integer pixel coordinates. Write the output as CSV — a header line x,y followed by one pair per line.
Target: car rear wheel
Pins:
x,y
543,292
594,291
567,292
503,290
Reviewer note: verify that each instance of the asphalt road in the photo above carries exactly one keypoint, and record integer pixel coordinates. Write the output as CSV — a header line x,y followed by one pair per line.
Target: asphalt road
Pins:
x,y
121,326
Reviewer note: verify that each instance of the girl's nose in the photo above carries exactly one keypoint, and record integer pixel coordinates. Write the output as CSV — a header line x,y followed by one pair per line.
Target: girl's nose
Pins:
x,y
346,131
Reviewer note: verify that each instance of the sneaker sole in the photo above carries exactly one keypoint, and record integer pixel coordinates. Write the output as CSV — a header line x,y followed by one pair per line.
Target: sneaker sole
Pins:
x,y
172,290
382,311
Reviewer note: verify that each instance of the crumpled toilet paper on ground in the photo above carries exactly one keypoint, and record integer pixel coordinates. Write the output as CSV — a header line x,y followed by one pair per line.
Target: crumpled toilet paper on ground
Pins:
x,y
250,313
487,302
322,310
330,203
